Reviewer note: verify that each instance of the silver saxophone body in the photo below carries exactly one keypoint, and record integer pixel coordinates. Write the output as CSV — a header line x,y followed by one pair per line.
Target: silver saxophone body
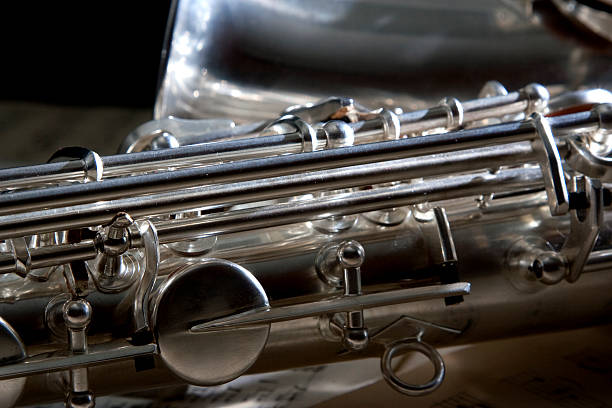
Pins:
x,y
306,229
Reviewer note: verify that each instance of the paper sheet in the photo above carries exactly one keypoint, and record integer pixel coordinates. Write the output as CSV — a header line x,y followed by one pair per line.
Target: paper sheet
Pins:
x,y
564,370
297,388
567,370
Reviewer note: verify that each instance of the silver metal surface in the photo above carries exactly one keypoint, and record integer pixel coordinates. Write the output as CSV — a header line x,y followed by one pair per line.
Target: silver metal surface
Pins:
x,y
97,354
552,168
413,390
209,248
184,131
13,349
77,317
204,303
598,20
102,213
238,142
338,304
21,255
148,235
192,296
248,60
252,169
585,97
283,214
113,271
584,227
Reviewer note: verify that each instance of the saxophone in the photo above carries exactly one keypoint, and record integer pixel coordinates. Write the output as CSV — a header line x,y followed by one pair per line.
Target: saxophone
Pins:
x,y
209,248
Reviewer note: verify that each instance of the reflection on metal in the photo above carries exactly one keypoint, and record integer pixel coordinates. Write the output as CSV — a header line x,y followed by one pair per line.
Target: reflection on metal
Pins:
x,y
177,132
532,259
114,269
596,19
13,349
337,49
413,390
410,332
150,241
193,296
77,317
249,222
350,256
93,166
585,224
552,168
337,304
96,354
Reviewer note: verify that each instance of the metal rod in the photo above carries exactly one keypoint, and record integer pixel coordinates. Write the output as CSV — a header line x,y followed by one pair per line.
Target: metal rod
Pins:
x,y
277,215
338,304
126,164
495,106
112,189
85,215
366,131
358,202
474,110
283,214
600,260
97,354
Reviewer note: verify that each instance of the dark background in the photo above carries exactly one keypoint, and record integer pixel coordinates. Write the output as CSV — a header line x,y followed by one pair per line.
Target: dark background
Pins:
x,y
76,74
83,53
86,73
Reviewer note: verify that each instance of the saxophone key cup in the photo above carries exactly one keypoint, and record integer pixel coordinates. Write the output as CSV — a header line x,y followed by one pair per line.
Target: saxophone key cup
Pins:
x,y
200,293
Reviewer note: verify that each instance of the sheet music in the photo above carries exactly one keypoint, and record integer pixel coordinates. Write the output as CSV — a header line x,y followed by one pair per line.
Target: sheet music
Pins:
x,y
296,388
571,369
559,370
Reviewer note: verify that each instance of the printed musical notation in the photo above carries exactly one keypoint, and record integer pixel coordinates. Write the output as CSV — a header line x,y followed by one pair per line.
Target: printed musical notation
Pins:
x,y
297,388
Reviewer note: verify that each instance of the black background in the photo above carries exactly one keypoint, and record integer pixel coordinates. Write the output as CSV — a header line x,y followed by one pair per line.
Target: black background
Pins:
x,y
83,53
